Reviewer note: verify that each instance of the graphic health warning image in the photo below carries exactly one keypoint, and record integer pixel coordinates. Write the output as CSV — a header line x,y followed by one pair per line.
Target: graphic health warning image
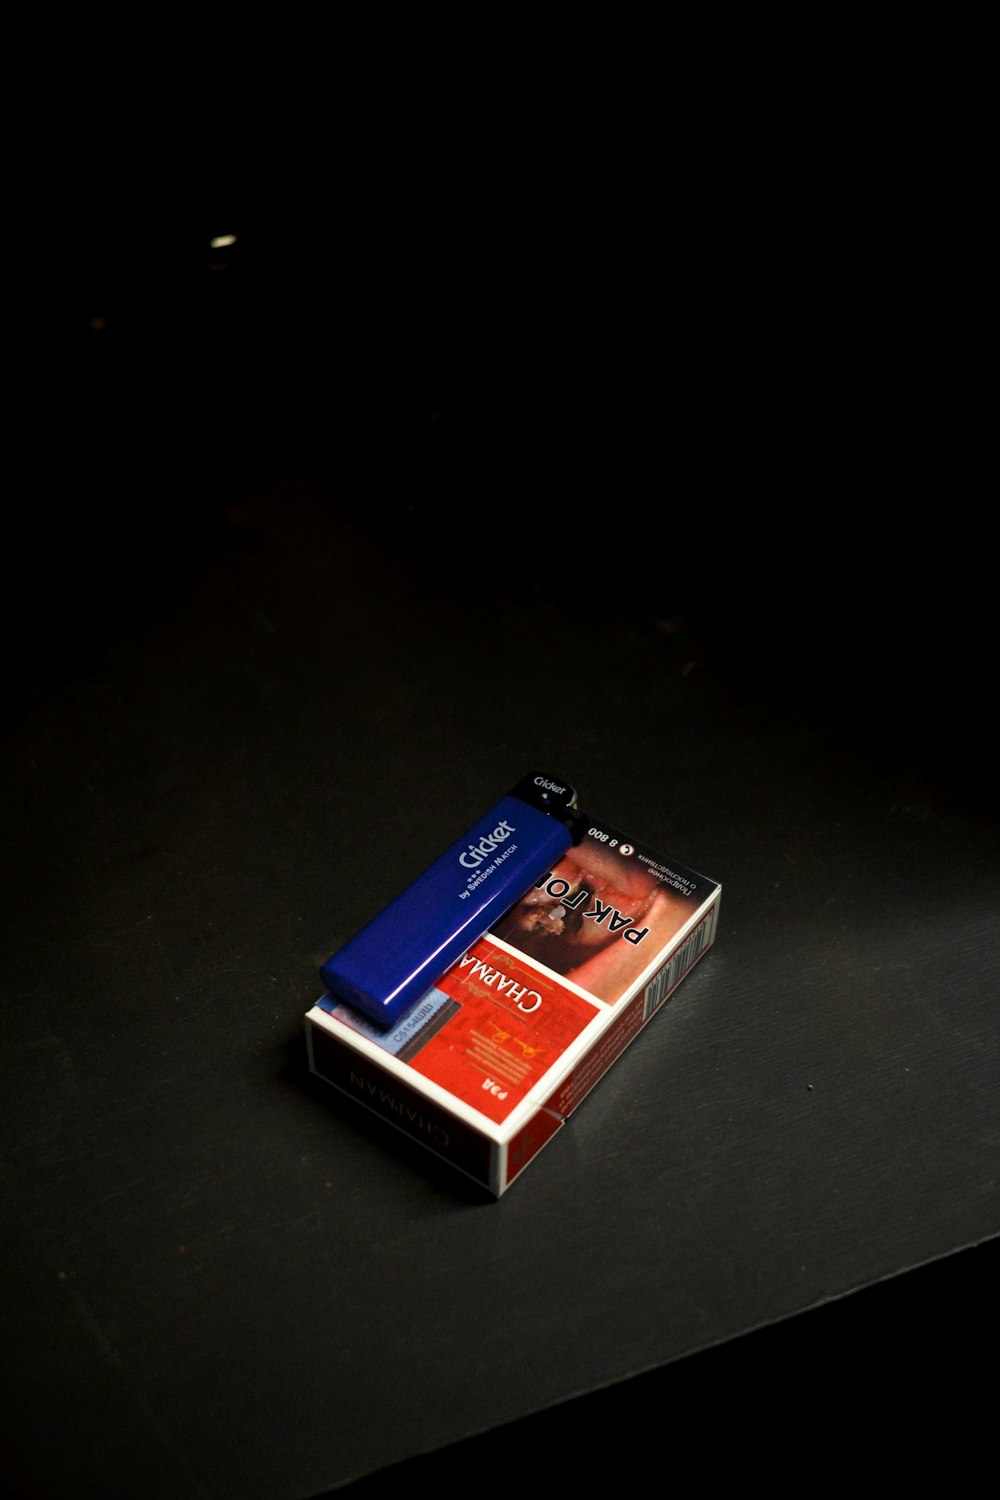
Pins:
x,y
604,913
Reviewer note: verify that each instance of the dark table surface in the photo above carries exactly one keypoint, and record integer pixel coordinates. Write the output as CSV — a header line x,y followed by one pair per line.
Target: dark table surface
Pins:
x,y
272,639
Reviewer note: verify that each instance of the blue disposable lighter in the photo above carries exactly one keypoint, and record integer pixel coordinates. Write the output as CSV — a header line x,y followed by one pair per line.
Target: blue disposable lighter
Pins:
x,y
405,950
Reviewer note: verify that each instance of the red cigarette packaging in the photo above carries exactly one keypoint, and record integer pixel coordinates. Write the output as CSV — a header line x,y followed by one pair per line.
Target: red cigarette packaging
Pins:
x,y
489,1064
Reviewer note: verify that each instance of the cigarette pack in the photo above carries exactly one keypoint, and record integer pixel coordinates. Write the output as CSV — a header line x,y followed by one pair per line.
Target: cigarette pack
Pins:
x,y
490,1062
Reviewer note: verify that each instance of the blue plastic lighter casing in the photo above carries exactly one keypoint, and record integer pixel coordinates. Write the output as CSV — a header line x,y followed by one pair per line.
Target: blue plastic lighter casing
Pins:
x,y
402,952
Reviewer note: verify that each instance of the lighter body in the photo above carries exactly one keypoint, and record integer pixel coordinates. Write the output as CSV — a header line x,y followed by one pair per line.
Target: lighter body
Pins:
x,y
404,950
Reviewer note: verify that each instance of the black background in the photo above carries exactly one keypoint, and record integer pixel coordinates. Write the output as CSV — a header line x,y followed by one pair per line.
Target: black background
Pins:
x,y
755,388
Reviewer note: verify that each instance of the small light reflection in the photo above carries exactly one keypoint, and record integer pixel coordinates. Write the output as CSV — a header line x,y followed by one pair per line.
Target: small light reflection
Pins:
x,y
220,241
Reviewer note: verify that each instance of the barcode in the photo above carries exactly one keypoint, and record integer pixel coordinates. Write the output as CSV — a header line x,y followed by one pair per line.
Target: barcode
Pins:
x,y
659,988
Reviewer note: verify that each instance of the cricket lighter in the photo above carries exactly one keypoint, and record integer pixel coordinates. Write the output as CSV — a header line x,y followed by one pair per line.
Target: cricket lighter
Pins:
x,y
404,950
